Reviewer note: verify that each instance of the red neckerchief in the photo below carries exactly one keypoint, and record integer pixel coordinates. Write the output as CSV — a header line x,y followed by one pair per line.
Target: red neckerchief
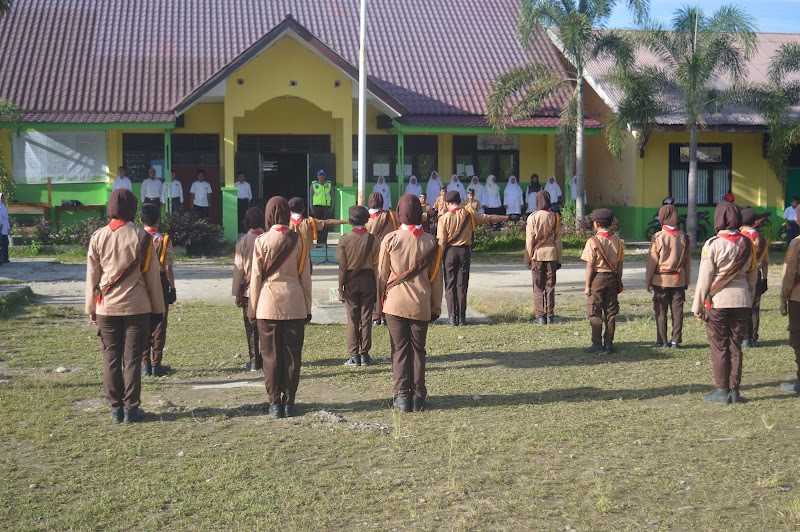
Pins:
x,y
417,231
604,234
667,230
279,229
151,230
752,234
297,221
256,232
732,238
359,230
376,213
116,224
454,209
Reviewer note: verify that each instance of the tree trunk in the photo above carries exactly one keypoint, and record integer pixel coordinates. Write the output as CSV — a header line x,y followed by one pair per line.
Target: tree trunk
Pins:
x,y
579,162
691,214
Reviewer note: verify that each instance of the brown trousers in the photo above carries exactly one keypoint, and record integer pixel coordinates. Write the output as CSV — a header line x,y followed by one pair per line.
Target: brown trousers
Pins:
x,y
407,338
603,306
281,346
122,339
726,328
377,308
667,300
252,335
456,279
755,314
359,299
794,332
544,288
156,340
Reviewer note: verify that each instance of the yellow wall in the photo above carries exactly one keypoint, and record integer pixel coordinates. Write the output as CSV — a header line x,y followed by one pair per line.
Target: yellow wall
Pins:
x,y
536,156
5,147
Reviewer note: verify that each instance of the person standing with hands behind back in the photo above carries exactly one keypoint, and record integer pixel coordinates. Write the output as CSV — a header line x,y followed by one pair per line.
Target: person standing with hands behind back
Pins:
x,y
322,202
4,229
543,250
242,271
124,298
790,304
199,193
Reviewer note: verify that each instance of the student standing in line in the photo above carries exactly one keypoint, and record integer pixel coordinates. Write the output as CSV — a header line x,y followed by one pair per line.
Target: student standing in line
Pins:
x,y
790,215
242,272
199,194
358,256
723,297
280,274
603,255
790,305
176,194
439,205
668,273
554,190
310,228
122,180
410,282
543,251
456,235
471,203
244,197
455,185
124,297
433,187
428,214
381,222
477,188
382,188
413,187
491,197
512,197
162,248
762,266
152,189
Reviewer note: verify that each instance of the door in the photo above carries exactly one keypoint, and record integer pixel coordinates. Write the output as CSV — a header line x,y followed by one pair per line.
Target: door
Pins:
x,y
250,163
187,174
792,185
284,174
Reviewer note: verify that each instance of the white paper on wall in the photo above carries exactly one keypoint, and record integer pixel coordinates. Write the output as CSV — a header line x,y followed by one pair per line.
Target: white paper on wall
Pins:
x,y
63,156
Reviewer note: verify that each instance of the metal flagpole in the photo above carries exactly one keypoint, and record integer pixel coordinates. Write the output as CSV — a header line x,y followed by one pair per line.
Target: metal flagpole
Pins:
x,y
362,104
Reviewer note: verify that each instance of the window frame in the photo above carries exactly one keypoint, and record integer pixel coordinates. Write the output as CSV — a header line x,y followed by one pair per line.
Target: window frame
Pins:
x,y
674,163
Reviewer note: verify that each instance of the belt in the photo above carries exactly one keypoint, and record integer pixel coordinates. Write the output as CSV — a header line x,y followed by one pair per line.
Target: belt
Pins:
x,y
147,198
462,246
607,273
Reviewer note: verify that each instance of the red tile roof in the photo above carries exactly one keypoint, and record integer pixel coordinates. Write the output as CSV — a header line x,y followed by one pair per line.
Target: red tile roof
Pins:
x,y
480,121
91,60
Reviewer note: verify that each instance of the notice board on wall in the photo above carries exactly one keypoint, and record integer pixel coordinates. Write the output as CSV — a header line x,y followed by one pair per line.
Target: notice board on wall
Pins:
x,y
63,156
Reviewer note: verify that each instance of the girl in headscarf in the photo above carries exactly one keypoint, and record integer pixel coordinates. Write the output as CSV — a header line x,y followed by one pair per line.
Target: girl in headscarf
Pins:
x,y
383,189
533,187
723,297
413,187
123,305
380,224
512,197
553,188
455,184
491,197
242,271
4,227
475,185
433,187
280,274
414,300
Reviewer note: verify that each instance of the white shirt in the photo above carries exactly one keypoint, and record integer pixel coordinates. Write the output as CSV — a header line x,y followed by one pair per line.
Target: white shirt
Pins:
x,y
4,224
243,190
122,182
151,188
177,191
554,190
790,214
201,191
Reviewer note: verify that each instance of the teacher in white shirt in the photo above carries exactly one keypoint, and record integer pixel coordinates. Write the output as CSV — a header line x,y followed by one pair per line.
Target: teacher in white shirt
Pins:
x,y
122,180
199,194
790,215
151,189
176,196
244,194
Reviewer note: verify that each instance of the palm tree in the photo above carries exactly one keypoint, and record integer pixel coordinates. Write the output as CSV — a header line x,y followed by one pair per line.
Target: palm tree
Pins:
x,y
520,92
8,113
691,58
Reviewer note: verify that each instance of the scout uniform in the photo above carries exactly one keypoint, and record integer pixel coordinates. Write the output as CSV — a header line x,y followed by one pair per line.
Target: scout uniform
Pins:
x,y
280,274
455,233
439,204
310,228
669,268
321,202
358,256
723,297
790,304
381,223
543,248
471,204
604,257
123,289
762,266
410,281
242,271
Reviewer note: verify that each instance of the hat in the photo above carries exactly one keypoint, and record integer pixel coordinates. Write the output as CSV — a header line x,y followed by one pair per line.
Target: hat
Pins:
x,y
375,200
297,204
727,217
321,172
749,217
729,197
452,197
358,215
668,215
603,216
253,218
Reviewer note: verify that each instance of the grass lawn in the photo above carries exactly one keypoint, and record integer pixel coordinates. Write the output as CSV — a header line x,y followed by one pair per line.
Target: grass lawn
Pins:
x,y
525,432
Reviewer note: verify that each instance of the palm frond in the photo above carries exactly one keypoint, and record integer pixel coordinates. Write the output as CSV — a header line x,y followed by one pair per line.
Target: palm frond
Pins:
x,y
736,22
785,61
519,92
10,114
640,107
535,14
616,44
567,127
640,9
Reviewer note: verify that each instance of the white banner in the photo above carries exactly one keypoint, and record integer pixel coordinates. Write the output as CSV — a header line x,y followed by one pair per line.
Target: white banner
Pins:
x,y
63,156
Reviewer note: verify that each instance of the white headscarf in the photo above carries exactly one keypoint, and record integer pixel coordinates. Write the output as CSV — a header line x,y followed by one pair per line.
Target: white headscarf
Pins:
x,y
475,185
455,184
553,188
434,186
491,194
385,191
512,197
413,187
4,216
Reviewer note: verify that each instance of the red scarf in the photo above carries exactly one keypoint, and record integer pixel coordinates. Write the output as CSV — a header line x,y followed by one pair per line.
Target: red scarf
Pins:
x,y
256,232
116,224
150,230
376,213
413,229
454,209
732,238
752,234
672,232
280,229
604,234
297,221
359,230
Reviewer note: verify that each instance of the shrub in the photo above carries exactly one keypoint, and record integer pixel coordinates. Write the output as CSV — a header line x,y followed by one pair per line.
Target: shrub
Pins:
x,y
510,237
79,233
195,233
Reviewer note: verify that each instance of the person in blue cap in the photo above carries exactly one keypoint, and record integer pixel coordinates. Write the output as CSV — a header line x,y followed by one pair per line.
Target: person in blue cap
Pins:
x,y
322,202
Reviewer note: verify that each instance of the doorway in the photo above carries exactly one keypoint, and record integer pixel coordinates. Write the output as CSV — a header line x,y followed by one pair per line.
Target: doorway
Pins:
x,y
284,174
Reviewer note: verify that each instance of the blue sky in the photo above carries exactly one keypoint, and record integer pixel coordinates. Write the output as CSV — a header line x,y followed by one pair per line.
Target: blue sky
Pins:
x,y
780,16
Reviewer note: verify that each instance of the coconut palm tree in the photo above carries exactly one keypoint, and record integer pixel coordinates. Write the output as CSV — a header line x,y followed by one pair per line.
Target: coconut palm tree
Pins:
x,y
692,57
572,24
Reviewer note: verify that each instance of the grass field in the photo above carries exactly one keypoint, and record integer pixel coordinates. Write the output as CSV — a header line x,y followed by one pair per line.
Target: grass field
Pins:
x,y
524,432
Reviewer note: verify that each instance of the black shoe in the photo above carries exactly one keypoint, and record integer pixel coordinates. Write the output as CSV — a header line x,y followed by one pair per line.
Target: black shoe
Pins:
x,y
159,370
289,411
147,369
791,386
376,322
719,395
609,347
117,415
133,415
354,360
735,397
366,360
276,411
753,342
674,345
746,343
250,366
463,320
403,404
453,322
658,345
596,347
418,404
551,320
539,321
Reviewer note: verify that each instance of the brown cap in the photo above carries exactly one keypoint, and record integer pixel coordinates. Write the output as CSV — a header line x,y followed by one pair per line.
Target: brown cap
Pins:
x,y
375,200
452,197
253,218
297,205
603,216
358,215
749,217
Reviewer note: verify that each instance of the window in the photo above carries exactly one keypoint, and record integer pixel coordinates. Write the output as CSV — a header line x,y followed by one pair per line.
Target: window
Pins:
x,y
61,156
713,172
487,156
421,155
141,151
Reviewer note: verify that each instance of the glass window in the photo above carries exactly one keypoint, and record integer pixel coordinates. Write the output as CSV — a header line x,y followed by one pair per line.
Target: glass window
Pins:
x,y
714,170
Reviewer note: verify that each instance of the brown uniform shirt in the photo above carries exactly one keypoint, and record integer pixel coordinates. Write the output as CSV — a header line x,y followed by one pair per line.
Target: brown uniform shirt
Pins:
x,y
451,221
790,288
307,227
440,206
243,259
612,247
718,256
420,297
670,261
762,249
379,226
353,246
544,224
110,253
286,295
472,206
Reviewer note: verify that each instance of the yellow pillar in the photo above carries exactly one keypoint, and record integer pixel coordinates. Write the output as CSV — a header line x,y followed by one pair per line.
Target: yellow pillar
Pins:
x,y
551,156
228,148
445,157
345,157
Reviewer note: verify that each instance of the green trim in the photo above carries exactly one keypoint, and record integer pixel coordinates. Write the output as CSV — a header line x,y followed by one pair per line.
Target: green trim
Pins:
x,y
398,127
230,214
56,126
168,170
401,162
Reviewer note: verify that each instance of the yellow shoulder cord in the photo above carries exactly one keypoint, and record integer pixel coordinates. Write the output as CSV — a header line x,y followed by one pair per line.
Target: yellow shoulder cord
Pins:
x,y
148,256
164,243
313,223
472,219
394,220
753,258
619,252
437,265
302,256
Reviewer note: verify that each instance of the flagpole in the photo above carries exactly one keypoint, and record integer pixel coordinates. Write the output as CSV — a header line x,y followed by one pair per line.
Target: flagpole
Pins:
x,y
362,104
